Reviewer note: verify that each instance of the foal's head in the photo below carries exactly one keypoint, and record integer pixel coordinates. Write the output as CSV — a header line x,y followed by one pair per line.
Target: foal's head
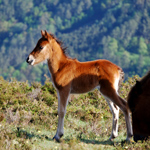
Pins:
x,y
43,50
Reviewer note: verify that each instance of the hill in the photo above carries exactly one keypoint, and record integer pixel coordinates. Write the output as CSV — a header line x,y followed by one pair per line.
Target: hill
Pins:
x,y
28,119
116,30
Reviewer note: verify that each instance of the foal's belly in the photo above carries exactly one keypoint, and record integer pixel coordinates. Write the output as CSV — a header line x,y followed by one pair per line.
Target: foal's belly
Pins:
x,y
80,91
79,87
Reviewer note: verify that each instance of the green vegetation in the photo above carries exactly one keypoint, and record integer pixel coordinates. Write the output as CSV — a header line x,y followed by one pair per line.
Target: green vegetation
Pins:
x,y
116,30
28,118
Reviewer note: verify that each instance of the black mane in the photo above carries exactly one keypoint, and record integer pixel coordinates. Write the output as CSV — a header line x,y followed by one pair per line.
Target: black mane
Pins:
x,y
61,44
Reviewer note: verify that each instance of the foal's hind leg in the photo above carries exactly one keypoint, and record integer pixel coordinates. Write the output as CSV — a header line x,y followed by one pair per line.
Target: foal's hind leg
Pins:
x,y
111,94
127,119
115,112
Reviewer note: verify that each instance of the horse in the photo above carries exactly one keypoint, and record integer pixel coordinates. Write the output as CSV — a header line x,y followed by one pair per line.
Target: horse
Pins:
x,y
70,76
138,101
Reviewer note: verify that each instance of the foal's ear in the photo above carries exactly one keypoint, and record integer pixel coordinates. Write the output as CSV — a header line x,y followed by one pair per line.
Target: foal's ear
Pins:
x,y
43,33
46,35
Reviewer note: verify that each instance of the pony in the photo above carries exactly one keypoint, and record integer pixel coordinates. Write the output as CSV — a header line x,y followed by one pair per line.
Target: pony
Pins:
x,y
138,101
70,76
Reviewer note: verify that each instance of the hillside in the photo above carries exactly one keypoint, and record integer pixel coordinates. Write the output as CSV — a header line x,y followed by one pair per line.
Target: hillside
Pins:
x,y
28,119
116,30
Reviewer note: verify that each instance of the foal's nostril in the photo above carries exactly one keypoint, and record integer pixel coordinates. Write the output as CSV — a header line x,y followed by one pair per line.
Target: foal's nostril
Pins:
x,y
27,60
30,60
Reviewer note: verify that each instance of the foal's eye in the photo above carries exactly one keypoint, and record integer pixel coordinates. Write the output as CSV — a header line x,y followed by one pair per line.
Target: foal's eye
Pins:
x,y
41,47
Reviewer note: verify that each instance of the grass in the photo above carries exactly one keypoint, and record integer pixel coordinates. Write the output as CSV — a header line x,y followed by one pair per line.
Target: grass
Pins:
x,y
28,119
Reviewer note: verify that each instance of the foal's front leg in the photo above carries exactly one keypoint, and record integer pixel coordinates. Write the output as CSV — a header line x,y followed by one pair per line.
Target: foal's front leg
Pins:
x,y
62,103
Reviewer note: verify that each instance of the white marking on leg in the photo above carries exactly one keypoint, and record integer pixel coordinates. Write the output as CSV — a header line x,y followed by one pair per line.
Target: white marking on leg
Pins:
x,y
115,121
115,113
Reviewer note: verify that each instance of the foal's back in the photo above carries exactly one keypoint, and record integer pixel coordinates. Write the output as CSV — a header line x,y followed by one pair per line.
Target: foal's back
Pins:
x,y
88,75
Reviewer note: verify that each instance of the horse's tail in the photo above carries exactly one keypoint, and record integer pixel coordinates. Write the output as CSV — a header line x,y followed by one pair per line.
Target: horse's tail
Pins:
x,y
121,77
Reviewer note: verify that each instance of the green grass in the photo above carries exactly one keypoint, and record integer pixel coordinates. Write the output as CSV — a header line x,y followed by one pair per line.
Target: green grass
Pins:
x,y
28,116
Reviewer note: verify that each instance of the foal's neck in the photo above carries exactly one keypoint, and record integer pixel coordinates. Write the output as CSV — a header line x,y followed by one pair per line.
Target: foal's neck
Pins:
x,y
57,59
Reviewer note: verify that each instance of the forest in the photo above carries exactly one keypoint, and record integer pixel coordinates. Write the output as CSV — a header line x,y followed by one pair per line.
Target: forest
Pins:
x,y
117,30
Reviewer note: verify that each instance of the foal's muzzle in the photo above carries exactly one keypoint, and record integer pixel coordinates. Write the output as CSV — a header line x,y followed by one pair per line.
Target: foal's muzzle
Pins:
x,y
30,60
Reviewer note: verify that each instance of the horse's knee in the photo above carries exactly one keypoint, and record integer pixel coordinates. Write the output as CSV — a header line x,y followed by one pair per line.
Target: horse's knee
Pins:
x,y
61,114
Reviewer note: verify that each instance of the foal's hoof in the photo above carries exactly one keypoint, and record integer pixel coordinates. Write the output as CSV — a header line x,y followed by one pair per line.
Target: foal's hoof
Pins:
x,y
128,141
55,138
111,139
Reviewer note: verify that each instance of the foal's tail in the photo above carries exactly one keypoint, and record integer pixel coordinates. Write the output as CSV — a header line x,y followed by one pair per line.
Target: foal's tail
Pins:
x,y
121,77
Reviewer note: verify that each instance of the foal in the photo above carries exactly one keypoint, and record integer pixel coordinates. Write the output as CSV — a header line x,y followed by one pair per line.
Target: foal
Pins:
x,y
71,76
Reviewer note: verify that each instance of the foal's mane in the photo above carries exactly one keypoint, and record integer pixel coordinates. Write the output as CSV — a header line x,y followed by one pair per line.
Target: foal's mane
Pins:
x,y
61,44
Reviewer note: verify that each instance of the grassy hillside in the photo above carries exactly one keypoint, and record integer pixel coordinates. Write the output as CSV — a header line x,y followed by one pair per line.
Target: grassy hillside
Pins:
x,y
28,118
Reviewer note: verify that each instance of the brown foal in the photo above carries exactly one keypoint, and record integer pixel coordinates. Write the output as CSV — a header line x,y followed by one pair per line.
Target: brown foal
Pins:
x,y
71,76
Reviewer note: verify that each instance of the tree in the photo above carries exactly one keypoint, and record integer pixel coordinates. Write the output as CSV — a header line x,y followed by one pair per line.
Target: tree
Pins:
x,y
110,46
143,50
